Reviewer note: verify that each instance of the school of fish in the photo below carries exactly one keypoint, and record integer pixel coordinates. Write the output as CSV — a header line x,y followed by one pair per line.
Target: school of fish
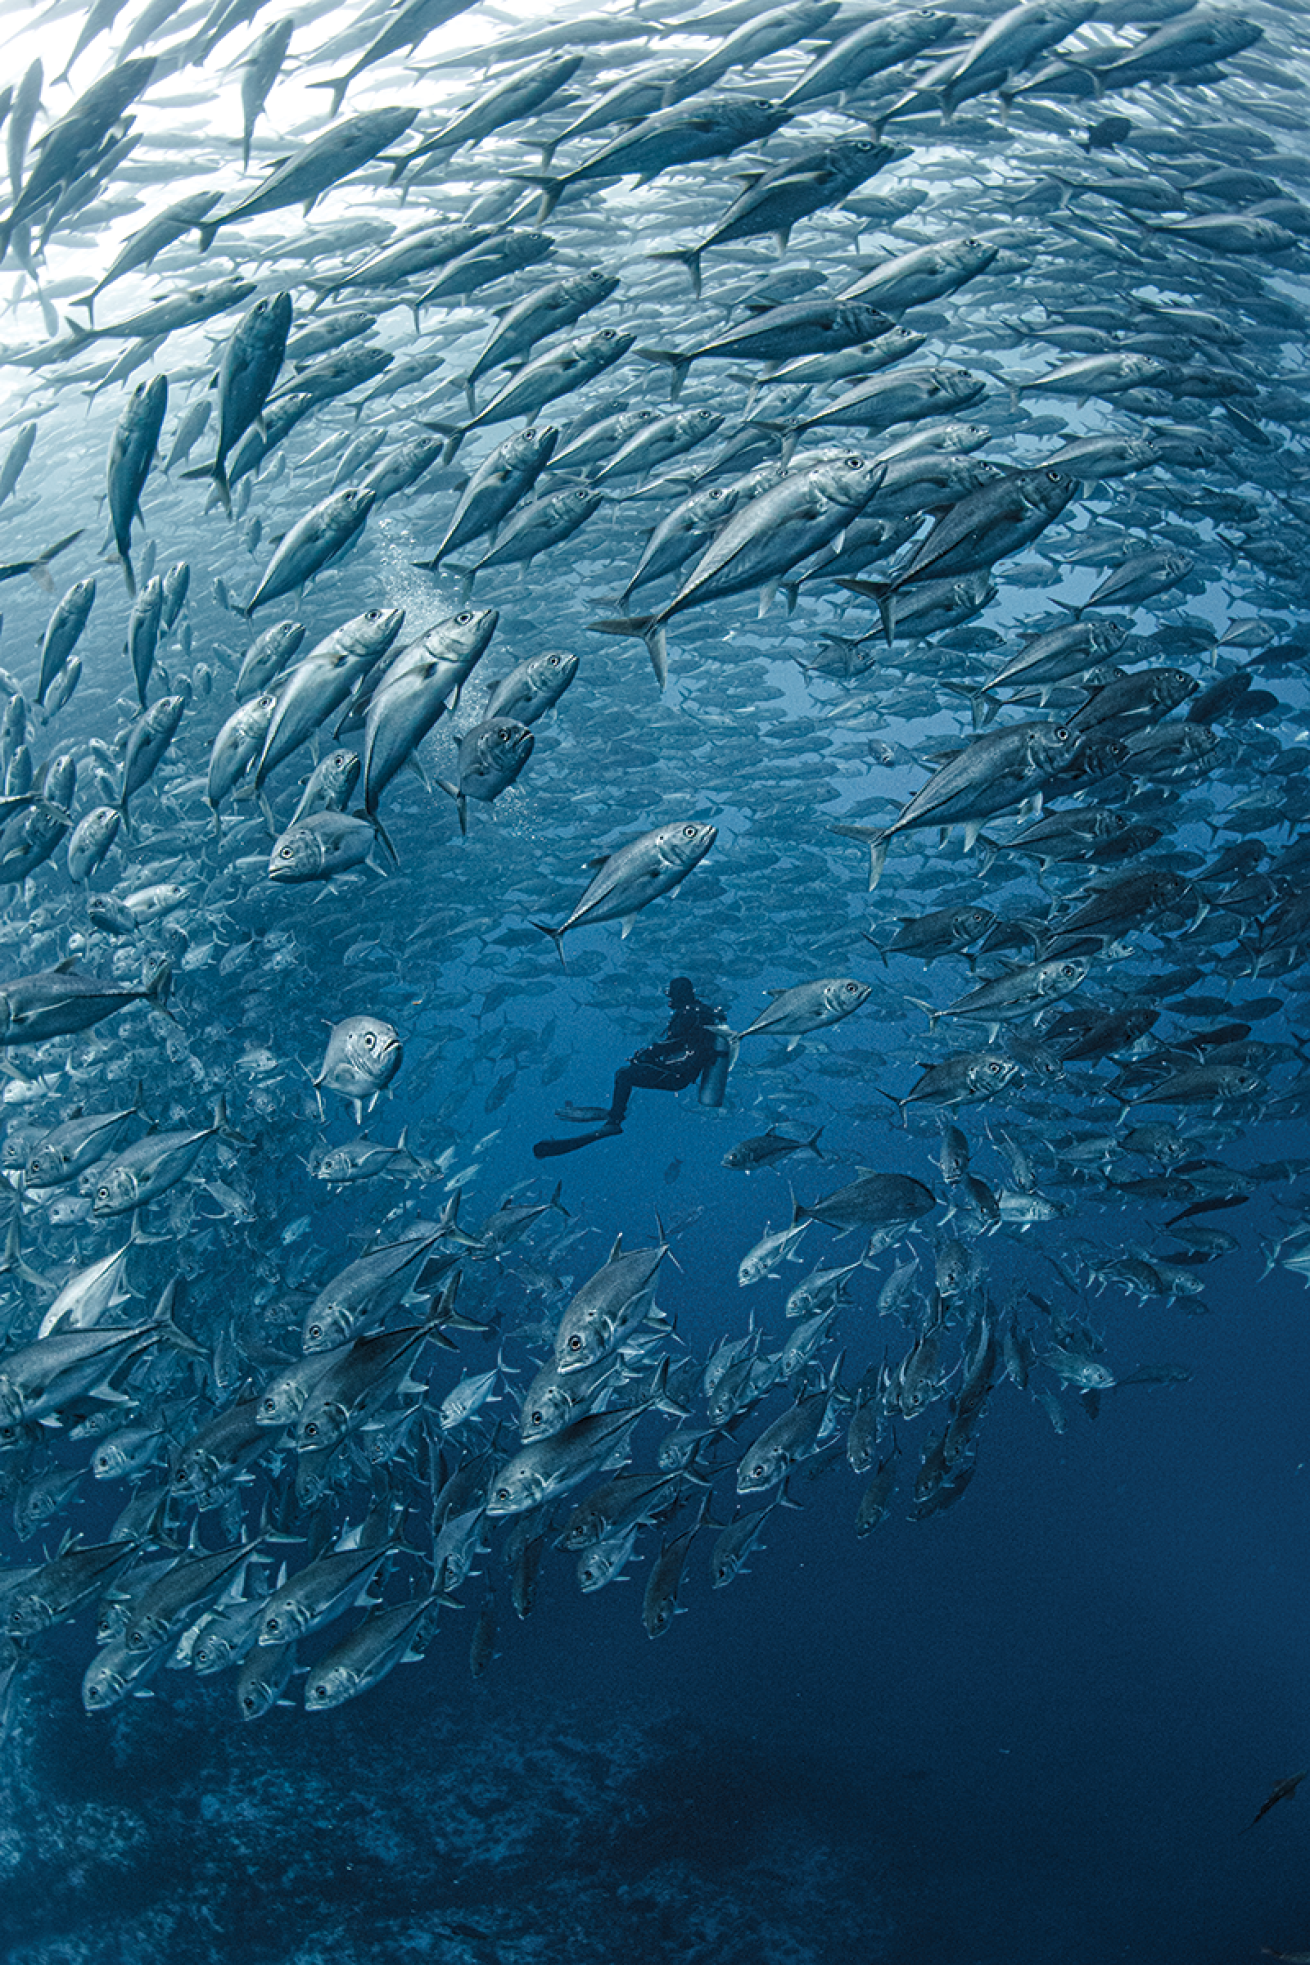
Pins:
x,y
834,473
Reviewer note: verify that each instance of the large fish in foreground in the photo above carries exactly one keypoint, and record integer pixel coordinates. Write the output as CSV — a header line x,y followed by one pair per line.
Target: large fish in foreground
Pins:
x,y
303,178
59,1001
131,454
322,536
636,874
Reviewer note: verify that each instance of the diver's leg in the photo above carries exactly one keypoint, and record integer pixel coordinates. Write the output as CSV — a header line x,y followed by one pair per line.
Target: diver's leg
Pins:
x,y
625,1078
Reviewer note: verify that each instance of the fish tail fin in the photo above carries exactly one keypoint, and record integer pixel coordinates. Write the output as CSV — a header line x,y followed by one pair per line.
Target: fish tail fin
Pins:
x,y
881,592
812,1143
688,256
680,365
160,984
557,936
461,804
550,187
42,560
899,1103
338,85
207,235
13,1262
644,627
81,335
877,842
171,1333
388,845
930,1010
454,433
218,473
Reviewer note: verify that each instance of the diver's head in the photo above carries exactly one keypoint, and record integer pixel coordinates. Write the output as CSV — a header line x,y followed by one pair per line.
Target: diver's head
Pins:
x,y
681,993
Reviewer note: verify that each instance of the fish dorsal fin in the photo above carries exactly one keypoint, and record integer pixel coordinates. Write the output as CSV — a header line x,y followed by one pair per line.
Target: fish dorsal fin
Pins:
x,y
617,1250
62,968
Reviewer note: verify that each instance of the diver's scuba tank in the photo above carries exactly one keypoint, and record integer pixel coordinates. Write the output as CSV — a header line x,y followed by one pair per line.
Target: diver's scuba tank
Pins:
x,y
714,1078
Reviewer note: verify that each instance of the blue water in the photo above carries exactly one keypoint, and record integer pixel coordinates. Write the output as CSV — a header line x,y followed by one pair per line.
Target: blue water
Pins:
x,y
1034,1728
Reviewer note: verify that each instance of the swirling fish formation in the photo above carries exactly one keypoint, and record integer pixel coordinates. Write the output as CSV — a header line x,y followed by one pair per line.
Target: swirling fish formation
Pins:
x,y
920,395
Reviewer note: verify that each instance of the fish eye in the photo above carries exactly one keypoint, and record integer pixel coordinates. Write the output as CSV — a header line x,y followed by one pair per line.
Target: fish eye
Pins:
x,y
369,1039
285,854
608,334
374,614
315,1330
320,1692
502,1494
852,988
994,1068
1061,734
102,1193
1068,968
311,1430
689,832
465,617
575,1343
853,463
271,1623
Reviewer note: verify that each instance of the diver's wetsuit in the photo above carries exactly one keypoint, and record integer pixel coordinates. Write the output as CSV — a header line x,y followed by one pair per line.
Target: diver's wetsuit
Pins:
x,y
681,1055
688,1050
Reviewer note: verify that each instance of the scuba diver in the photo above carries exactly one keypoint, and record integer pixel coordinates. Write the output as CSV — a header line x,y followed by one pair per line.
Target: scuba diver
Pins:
x,y
695,1045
